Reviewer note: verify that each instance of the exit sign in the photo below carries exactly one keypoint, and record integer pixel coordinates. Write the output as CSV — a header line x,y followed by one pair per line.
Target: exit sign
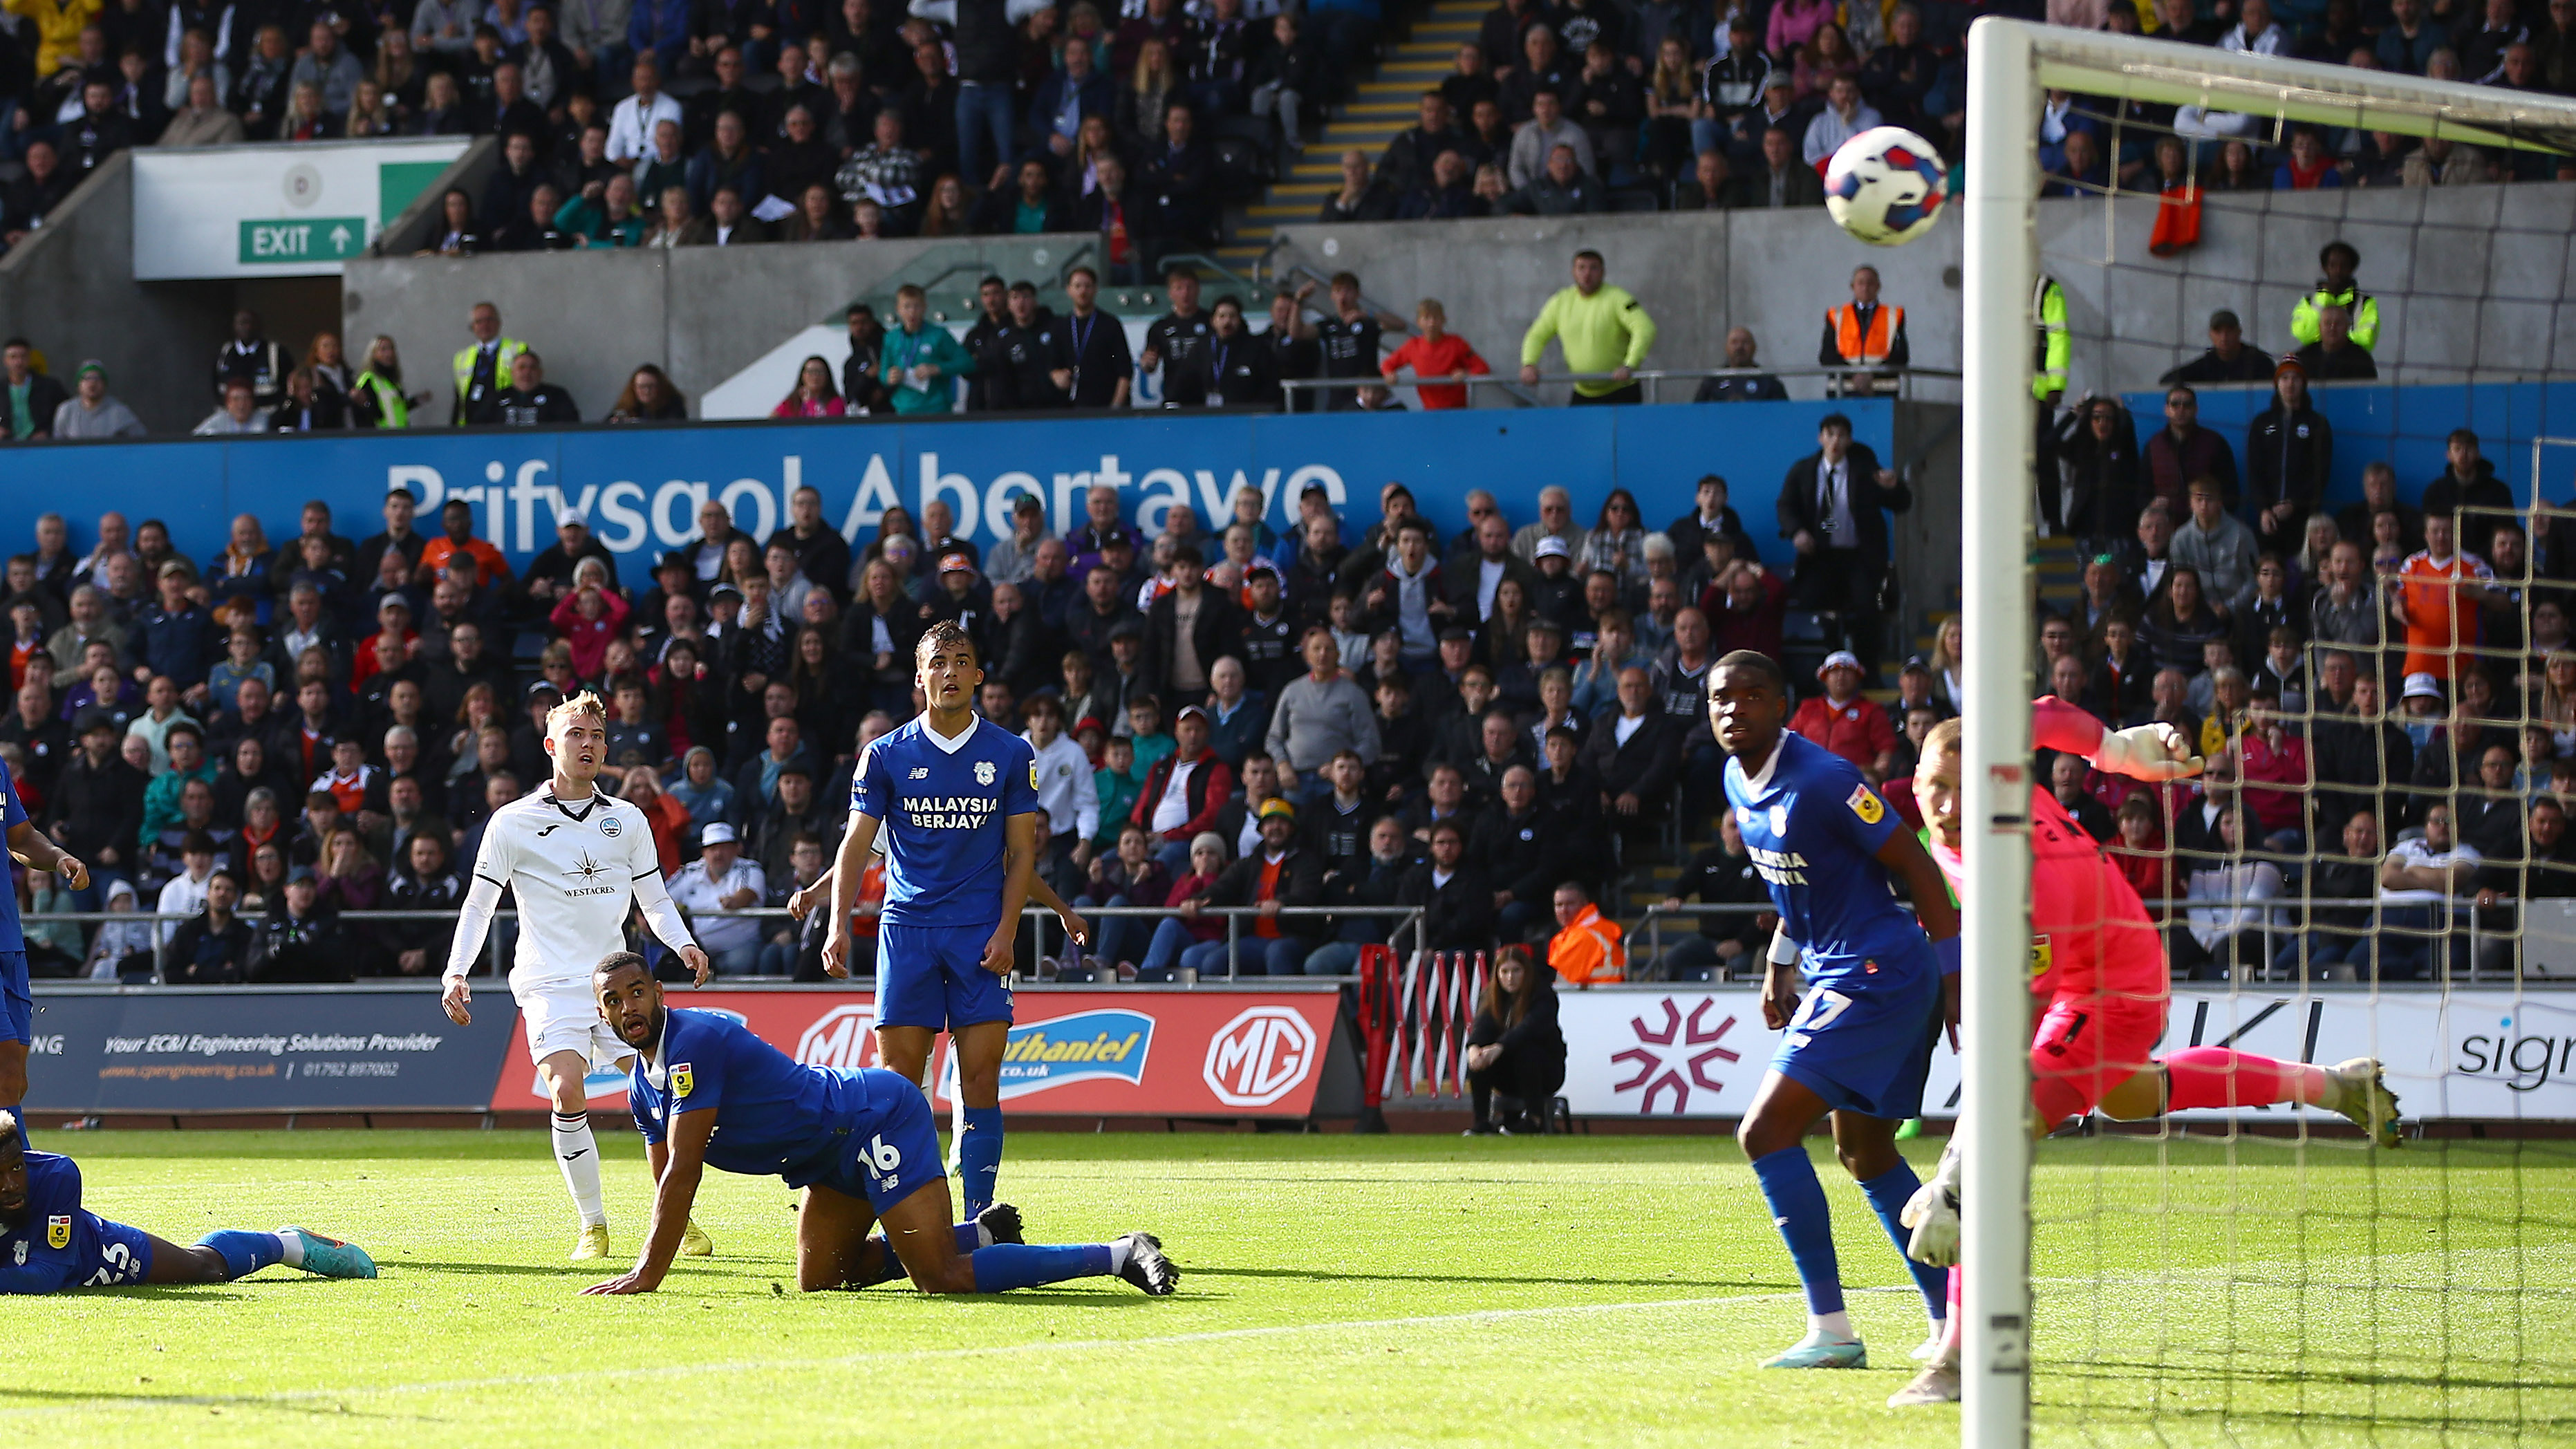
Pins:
x,y
312,239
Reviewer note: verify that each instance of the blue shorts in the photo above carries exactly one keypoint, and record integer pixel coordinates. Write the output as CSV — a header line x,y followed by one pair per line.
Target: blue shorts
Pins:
x,y
893,1149
1862,1040
17,1003
933,976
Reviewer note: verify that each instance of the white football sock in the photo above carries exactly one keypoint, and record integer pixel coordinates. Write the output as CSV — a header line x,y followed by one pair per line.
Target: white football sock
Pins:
x,y
1835,1325
1118,1256
291,1247
577,1153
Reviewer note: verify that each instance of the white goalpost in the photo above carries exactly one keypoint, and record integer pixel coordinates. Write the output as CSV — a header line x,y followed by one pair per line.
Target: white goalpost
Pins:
x,y
2010,63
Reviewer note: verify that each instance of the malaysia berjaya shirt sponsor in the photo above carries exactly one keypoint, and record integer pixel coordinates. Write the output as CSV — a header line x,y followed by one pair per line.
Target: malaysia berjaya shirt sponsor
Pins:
x,y
573,868
945,804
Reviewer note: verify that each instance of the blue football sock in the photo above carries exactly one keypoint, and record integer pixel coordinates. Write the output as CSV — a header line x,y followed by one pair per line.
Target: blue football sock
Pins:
x,y
979,1157
1888,1193
244,1252
1798,1209
890,1268
1004,1266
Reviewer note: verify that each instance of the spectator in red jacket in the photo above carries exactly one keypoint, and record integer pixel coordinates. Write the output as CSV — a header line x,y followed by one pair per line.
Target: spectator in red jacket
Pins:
x,y
1184,791
1846,722
1750,613
589,617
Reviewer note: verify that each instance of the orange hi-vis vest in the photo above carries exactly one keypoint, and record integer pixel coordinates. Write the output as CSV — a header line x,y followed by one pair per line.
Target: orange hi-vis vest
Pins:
x,y
1872,345
1589,951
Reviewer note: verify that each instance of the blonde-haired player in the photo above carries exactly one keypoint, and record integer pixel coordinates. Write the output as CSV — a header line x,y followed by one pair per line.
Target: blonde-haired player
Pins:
x,y
577,859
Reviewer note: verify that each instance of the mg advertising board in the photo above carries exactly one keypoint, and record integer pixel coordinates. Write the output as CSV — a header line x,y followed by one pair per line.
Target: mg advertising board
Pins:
x,y
1078,1053
274,211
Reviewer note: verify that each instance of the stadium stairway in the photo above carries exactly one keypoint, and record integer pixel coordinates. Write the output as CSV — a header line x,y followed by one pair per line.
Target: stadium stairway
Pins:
x,y
1380,107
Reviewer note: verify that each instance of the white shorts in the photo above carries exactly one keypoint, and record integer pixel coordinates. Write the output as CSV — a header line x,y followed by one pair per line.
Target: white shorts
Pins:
x,y
560,1017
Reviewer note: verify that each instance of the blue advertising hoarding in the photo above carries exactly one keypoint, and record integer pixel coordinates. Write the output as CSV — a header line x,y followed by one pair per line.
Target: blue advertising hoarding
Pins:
x,y
640,487
251,1049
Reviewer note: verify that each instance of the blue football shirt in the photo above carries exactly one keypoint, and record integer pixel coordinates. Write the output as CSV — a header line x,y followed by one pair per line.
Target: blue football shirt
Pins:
x,y
774,1116
945,807
58,1246
13,813
1814,827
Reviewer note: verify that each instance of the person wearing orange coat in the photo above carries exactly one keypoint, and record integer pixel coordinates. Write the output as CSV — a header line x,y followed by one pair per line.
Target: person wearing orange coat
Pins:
x,y
1586,950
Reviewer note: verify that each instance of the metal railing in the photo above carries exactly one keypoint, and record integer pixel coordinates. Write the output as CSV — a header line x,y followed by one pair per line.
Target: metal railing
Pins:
x,y
1040,920
1904,383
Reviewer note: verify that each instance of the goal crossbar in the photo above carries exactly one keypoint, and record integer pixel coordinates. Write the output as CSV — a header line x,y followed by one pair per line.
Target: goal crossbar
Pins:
x,y
2009,62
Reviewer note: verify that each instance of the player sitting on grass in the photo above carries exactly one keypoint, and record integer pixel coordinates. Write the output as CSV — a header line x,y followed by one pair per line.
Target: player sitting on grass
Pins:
x,y
707,1092
2100,986
1880,984
49,1243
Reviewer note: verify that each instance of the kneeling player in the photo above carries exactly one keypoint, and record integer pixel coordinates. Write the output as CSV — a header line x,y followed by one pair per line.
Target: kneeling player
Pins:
x,y
49,1242
2100,986
707,1092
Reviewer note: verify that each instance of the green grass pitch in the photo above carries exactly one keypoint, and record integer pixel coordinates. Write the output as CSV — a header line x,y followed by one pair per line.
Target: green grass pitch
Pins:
x,y
1336,1290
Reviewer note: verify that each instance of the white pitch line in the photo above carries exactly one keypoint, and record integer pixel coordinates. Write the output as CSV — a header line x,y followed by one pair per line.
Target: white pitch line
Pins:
x,y
1052,1347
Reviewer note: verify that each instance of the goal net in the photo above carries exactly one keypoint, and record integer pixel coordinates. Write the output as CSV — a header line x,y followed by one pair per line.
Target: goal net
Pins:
x,y
2377,864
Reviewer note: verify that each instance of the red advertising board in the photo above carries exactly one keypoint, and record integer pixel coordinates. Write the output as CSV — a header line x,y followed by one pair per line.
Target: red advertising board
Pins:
x,y
1129,1053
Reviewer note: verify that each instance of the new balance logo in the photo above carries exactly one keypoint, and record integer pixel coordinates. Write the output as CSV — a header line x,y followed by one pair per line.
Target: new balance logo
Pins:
x,y
920,773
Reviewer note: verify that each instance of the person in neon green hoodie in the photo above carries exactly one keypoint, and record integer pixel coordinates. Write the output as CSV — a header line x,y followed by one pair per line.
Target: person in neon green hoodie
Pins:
x,y
1601,328
921,362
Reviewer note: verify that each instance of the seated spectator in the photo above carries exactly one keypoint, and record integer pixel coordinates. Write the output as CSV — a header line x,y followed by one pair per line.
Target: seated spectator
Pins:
x,y
91,413
722,880
203,121
1285,76
212,948
1515,1049
1454,895
2422,884
1637,753
1845,115
1361,197
1782,180
1844,722
1712,185
1443,193
815,394
1280,873
1133,876
1561,190
2228,358
1587,949
1406,164
240,414
2546,872
2334,357
1746,386
1535,147
300,939
2227,911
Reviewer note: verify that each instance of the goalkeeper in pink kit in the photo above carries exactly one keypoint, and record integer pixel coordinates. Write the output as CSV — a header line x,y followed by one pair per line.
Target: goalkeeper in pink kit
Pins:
x,y
2100,983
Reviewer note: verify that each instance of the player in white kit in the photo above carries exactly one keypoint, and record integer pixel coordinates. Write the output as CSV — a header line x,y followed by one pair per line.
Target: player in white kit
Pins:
x,y
577,859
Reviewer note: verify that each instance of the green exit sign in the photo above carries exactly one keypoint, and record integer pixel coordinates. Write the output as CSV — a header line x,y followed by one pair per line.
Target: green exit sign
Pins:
x,y
312,239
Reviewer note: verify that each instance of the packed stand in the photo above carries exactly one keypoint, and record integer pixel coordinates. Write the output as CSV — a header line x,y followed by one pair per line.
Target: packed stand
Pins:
x,y
1471,726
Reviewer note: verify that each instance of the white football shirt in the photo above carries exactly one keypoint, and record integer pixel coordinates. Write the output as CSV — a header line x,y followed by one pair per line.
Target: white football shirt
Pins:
x,y
573,870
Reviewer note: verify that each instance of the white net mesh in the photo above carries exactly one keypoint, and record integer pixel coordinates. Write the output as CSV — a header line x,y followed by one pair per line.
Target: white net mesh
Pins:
x,y
2377,866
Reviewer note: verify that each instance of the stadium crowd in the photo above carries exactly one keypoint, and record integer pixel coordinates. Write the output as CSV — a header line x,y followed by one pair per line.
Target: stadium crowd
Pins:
x,y
1464,723
671,123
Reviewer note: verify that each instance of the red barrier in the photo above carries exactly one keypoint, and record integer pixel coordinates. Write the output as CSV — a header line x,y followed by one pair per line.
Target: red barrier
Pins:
x,y
1140,1053
1414,1016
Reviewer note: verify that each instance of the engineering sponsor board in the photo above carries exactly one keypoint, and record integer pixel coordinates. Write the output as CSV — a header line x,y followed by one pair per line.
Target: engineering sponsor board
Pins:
x,y
219,1050
1081,1053
2485,1055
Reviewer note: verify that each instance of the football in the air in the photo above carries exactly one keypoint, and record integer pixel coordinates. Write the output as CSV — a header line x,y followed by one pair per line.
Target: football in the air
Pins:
x,y
1886,186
